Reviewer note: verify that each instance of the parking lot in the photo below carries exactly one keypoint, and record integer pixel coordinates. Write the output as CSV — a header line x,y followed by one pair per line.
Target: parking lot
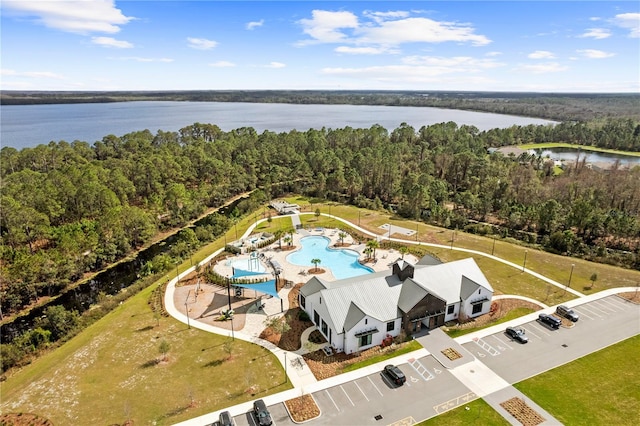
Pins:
x,y
602,323
430,388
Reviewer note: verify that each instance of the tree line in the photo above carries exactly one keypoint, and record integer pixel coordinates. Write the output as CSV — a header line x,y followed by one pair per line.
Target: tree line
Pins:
x,y
73,208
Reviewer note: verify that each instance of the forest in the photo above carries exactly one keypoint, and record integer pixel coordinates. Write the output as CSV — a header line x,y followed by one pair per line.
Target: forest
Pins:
x,y
552,106
69,209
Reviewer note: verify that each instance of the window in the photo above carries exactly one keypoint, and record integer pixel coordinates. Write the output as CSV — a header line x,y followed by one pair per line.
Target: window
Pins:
x,y
325,330
477,308
330,336
316,318
365,340
391,325
450,309
366,321
321,300
302,301
479,290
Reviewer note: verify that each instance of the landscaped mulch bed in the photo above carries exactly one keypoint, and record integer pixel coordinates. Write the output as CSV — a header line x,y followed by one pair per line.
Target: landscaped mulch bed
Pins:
x,y
302,408
522,412
23,419
451,353
290,340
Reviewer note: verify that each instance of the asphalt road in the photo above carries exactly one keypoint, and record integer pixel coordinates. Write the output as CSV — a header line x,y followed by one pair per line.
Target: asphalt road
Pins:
x,y
430,389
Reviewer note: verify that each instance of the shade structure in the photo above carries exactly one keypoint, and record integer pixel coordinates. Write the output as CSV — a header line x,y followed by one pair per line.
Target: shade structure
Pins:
x,y
267,287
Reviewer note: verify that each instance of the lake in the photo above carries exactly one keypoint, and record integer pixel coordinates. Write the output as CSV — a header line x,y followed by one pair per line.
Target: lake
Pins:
x,y
30,125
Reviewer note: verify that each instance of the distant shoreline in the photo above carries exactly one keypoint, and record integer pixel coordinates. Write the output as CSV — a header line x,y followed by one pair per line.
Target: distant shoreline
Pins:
x,y
550,106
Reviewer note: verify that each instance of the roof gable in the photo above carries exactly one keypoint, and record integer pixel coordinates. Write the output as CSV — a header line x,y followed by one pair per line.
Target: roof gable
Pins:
x,y
312,286
410,294
354,315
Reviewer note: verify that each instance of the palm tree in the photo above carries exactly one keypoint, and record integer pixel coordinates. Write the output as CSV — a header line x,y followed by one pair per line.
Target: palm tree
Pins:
x,y
373,244
403,250
278,234
368,252
342,236
287,240
316,262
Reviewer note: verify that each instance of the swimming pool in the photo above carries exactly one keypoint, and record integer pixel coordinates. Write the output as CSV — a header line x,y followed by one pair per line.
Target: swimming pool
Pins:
x,y
343,263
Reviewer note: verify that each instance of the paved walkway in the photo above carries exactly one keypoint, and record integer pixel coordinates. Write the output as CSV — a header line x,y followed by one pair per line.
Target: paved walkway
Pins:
x,y
469,370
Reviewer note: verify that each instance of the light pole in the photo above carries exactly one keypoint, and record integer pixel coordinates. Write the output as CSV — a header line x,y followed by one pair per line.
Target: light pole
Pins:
x,y
186,309
525,261
229,291
286,378
571,274
358,217
453,233
233,337
493,249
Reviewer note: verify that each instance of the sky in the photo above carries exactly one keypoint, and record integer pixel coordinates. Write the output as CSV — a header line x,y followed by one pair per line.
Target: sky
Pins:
x,y
514,46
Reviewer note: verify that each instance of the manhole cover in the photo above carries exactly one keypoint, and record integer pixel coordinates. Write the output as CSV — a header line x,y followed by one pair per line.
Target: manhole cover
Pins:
x,y
564,345
378,417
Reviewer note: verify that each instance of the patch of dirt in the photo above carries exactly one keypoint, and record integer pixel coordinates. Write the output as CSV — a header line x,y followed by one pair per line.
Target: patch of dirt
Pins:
x,y
522,412
288,248
631,297
315,271
23,419
302,408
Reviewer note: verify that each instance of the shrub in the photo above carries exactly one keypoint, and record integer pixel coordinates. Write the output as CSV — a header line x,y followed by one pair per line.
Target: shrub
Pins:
x,y
303,316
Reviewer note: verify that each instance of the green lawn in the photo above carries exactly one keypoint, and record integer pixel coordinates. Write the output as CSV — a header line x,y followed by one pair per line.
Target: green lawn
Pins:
x,y
109,374
598,389
476,412
546,145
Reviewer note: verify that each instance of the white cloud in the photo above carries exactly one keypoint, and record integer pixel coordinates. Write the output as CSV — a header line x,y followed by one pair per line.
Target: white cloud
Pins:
x,y
597,33
222,64
71,16
454,63
541,54
324,26
31,74
385,29
274,65
594,18
491,54
630,21
364,50
142,59
255,24
595,54
201,43
111,42
543,68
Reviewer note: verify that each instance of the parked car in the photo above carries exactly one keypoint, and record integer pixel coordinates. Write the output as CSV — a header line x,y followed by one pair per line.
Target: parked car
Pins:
x,y
395,374
567,312
261,412
550,320
225,419
517,334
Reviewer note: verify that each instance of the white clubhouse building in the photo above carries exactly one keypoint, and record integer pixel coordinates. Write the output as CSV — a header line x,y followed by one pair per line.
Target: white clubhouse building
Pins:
x,y
357,313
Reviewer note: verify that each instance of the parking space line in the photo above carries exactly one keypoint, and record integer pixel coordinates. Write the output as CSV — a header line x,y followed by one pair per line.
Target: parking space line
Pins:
x,y
487,347
502,343
531,333
452,403
582,314
614,306
374,385
604,308
334,403
360,389
591,312
347,395
421,369
618,301
541,329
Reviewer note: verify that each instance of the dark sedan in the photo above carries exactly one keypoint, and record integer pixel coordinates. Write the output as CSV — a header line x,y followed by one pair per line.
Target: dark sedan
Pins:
x,y
517,334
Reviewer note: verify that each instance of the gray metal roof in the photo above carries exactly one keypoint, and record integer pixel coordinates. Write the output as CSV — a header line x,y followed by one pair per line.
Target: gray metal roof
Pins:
x,y
410,294
445,280
314,285
373,295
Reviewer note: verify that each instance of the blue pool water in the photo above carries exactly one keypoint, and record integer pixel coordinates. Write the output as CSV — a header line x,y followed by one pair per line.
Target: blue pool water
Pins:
x,y
343,263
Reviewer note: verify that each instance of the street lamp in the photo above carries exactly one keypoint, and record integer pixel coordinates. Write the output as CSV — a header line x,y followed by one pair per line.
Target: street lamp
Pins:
x,y
571,275
493,249
453,233
358,217
186,309
525,261
229,291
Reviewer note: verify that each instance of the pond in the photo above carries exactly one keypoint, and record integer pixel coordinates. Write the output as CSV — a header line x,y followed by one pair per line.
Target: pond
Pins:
x,y
573,154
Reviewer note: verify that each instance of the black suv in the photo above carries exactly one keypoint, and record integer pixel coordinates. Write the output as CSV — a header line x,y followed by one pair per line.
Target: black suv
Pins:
x,y
225,419
395,374
550,320
261,412
567,312
517,334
